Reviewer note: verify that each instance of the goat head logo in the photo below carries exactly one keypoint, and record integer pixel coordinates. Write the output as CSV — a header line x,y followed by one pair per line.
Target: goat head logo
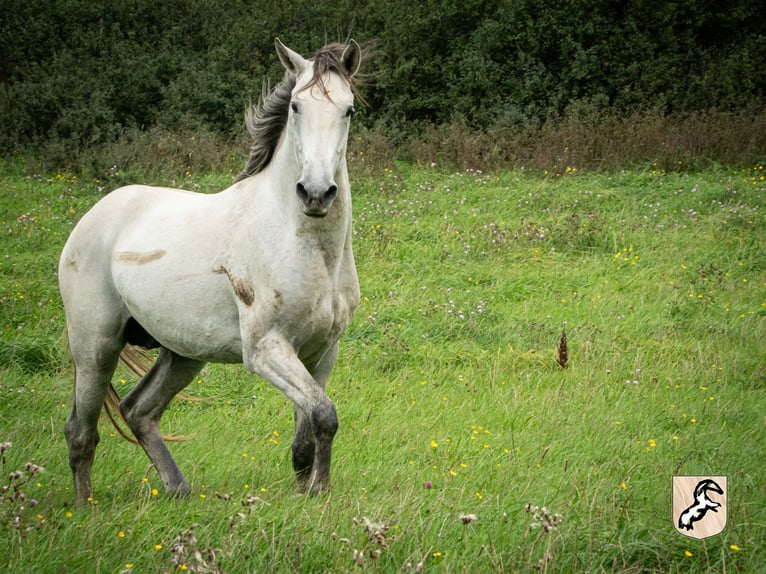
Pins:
x,y
699,505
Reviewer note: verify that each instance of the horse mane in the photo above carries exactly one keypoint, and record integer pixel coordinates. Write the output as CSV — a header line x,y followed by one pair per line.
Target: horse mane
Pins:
x,y
266,119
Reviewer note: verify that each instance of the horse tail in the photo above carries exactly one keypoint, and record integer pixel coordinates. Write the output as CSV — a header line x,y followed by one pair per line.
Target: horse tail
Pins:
x,y
137,360
112,410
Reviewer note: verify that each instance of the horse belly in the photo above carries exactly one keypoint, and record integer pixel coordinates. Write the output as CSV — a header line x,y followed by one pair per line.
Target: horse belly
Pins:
x,y
192,314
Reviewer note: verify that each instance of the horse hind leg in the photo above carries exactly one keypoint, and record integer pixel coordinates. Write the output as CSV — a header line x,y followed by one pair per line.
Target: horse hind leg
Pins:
x,y
143,406
93,375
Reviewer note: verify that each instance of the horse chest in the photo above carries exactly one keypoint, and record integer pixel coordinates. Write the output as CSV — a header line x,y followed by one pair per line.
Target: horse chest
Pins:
x,y
312,312
314,286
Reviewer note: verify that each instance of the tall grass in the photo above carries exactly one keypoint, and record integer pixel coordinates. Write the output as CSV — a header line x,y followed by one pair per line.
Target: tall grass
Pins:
x,y
584,137
594,138
463,445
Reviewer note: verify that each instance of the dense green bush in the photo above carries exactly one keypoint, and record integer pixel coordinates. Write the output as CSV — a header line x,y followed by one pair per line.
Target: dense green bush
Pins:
x,y
77,74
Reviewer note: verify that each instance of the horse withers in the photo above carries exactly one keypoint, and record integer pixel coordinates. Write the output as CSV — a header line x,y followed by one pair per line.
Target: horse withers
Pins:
x,y
261,273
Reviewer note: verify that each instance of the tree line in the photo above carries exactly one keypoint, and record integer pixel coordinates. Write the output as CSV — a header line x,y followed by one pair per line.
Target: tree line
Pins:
x,y
83,72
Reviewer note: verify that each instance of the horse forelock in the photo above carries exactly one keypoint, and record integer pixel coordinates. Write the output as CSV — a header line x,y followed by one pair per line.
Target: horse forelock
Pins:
x,y
330,59
266,119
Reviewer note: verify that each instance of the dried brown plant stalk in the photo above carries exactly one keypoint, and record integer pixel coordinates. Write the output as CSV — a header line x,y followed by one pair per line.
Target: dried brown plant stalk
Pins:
x,y
563,357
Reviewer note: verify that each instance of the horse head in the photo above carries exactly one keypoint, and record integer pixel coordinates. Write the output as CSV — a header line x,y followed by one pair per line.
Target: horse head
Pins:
x,y
319,117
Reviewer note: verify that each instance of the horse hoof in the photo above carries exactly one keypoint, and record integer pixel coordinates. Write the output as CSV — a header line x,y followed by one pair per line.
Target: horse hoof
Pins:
x,y
318,488
313,488
180,491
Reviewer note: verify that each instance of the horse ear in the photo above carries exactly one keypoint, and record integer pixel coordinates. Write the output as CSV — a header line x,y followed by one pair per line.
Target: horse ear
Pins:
x,y
292,61
352,57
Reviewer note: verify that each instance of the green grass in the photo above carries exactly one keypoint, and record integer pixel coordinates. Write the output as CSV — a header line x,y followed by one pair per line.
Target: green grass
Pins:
x,y
450,399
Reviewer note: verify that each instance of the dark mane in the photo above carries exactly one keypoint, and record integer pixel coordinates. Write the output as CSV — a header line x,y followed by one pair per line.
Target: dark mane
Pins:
x,y
265,122
266,119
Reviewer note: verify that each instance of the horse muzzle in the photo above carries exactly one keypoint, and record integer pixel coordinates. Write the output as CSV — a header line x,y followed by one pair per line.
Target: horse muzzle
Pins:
x,y
316,199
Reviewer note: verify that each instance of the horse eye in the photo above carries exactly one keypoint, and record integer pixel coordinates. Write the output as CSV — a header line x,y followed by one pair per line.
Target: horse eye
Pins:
x,y
350,111
294,107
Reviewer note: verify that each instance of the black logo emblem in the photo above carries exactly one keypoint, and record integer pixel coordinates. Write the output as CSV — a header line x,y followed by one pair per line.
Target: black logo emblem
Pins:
x,y
699,505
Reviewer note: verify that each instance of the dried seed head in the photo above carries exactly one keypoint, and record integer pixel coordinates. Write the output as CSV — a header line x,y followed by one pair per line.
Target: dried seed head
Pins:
x,y
468,518
358,557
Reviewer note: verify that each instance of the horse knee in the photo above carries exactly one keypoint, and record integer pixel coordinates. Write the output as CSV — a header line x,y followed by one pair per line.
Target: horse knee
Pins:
x,y
324,421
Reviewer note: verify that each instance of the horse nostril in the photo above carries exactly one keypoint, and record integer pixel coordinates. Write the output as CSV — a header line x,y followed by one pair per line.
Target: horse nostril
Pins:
x,y
302,193
331,193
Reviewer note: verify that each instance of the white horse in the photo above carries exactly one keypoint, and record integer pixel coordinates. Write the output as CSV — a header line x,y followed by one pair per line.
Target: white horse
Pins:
x,y
261,273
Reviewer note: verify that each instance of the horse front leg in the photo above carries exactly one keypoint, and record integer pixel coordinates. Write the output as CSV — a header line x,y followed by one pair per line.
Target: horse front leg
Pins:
x,y
305,454
316,420
303,449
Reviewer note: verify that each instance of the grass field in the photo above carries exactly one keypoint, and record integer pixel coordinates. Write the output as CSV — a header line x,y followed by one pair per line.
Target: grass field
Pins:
x,y
463,445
